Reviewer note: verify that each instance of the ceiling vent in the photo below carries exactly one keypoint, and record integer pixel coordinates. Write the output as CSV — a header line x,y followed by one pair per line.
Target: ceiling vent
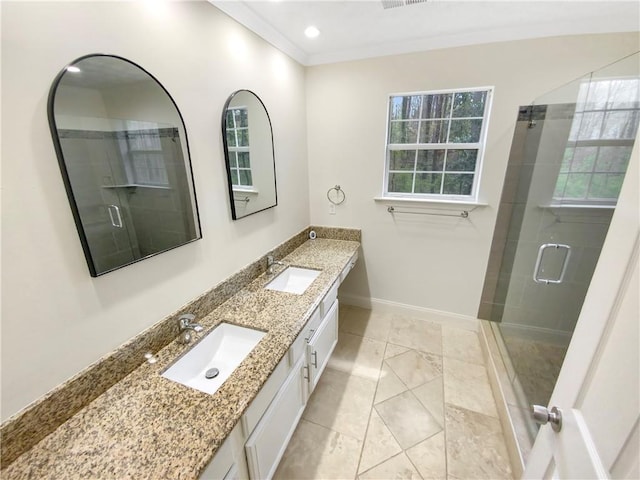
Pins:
x,y
400,3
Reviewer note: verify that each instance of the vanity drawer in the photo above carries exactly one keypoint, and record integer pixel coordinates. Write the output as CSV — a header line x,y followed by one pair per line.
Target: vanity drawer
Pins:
x,y
349,267
329,298
254,413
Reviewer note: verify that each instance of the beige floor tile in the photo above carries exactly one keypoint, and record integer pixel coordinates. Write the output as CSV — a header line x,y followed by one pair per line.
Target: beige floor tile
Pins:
x,y
358,356
397,468
341,402
316,452
475,445
466,385
389,385
407,419
379,445
462,345
430,458
431,395
415,368
417,334
393,350
366,323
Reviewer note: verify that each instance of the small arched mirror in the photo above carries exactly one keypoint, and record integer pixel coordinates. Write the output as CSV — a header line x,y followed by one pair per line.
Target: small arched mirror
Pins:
x,y
248,149
124,157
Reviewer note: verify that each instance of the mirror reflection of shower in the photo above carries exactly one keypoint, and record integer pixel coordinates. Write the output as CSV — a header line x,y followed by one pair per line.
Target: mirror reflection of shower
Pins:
x,y
568,159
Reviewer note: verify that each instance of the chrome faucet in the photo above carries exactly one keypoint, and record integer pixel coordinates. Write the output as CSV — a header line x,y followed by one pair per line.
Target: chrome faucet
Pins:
x,y
186,328
271,262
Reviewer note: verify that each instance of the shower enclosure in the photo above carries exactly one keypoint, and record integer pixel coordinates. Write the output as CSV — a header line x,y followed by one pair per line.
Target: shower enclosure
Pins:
x,y
568,159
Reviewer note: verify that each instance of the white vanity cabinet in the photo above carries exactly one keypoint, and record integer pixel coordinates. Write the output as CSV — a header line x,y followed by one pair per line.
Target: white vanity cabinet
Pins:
x,y
321,346
269,422
269,440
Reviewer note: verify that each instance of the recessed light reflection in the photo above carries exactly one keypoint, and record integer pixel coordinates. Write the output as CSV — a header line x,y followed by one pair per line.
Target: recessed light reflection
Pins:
x,y
73,69
311,31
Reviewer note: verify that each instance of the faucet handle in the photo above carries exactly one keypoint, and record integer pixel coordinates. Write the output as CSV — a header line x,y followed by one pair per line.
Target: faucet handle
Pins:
x,y
186,319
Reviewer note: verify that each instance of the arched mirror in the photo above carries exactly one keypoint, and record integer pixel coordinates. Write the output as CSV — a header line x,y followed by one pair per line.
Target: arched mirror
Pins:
x,y
248,149
124,157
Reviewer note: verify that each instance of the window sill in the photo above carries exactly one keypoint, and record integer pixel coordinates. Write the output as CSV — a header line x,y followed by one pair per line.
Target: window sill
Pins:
x,y
245,190
136,185
427,202
576,207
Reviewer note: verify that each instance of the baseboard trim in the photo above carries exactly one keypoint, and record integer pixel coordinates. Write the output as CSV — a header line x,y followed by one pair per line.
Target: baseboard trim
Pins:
x,y
387,306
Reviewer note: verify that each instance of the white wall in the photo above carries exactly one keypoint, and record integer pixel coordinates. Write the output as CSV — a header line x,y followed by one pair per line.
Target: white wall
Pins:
x,y
427,262
56,319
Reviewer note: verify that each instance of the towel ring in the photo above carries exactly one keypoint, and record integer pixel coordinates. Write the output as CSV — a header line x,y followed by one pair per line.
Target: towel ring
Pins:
x,y
339,193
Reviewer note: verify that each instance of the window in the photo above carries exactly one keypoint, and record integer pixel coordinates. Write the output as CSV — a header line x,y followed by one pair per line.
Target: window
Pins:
x,y
435,144
238,147
602,135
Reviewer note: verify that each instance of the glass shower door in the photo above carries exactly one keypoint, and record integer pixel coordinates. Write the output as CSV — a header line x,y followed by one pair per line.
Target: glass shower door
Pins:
x,y
576,143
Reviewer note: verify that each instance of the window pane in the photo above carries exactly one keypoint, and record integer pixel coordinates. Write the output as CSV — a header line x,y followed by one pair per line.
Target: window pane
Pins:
x,y
402,159
613,159
605,185
233,159
561,185
243,159
433,131
231,138
243,137
462,160
430,160
577,184
436,106
428,182
229,118
245,177
469,104
457,184
589,127
403,132
405,107
242,118
624,94
584,159
400,182
621,124
465,131
566,160
234,177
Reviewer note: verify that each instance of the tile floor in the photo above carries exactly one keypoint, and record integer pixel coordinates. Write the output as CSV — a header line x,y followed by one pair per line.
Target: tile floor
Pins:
x,y
400,398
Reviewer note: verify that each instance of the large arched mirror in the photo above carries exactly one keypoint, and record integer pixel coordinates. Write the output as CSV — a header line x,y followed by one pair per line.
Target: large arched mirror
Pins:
x,y
124,157
248,149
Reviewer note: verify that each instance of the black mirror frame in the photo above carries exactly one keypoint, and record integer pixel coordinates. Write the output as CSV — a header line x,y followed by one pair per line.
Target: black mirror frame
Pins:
x,y
67,181
226,155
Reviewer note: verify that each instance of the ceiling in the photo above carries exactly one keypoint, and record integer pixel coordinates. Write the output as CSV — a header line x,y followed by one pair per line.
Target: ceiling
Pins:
x,y
359,29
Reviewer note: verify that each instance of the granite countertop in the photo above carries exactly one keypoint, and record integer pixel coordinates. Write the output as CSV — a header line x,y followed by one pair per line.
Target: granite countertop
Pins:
x,y
146,426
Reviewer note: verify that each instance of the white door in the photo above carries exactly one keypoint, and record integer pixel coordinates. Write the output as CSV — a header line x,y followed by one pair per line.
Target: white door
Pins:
x,y
598,389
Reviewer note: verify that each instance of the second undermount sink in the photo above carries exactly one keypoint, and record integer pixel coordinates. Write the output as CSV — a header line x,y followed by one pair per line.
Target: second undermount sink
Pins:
x,y
210,362
293,280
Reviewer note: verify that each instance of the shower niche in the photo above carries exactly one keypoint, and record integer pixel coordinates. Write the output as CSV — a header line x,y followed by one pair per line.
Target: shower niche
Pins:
x,y
124,157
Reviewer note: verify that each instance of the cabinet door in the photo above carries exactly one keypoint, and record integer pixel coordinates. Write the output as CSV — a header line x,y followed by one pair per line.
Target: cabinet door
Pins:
x,y
270,438
321,346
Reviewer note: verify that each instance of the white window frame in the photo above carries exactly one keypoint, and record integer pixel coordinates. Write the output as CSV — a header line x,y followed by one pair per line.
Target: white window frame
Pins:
x,y
235,150
575,143
479,146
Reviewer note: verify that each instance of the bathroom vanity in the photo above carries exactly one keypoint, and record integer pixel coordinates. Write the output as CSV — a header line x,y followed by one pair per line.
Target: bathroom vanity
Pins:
x,y
147,426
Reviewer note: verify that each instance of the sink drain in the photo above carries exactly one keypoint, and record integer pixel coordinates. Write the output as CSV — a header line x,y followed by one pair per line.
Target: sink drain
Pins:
x,y
212,373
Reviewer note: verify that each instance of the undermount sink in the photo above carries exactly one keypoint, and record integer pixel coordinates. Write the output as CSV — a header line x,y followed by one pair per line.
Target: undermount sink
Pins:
x,y
293,280
209,363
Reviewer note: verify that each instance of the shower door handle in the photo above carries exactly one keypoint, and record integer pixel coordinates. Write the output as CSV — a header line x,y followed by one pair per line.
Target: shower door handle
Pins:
x,y
117,220
565,263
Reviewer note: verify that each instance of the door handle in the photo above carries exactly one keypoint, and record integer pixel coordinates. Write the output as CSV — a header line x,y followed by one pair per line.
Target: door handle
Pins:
x,y
542,415
117,220
315,359
565,263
